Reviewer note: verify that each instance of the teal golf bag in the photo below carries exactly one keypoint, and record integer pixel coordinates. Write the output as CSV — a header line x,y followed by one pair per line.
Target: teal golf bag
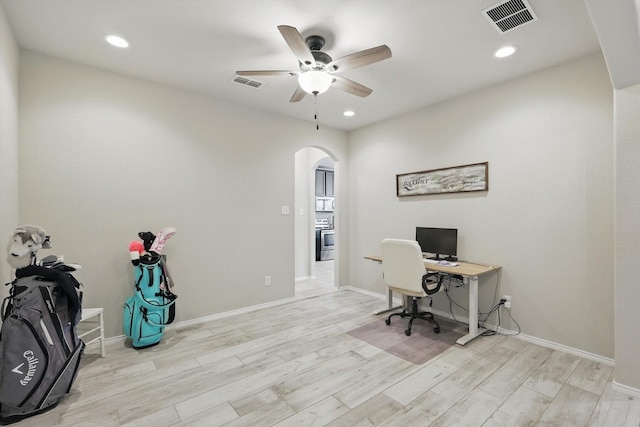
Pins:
x,y
152,307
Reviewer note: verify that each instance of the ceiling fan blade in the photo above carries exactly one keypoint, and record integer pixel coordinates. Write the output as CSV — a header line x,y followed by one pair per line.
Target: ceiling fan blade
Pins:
x,y
350,86
360,59
298,95
297,44
267,73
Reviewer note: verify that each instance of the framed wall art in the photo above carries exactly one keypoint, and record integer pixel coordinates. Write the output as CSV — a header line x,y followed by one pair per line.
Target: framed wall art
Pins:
x,y
457,179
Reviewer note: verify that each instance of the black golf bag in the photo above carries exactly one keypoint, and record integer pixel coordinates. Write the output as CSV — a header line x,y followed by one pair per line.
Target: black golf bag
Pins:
x,y
40,350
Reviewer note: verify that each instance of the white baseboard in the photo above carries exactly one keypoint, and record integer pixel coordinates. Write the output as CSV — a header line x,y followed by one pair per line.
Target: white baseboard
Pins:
x,y
538,341
230,313
575,351
625,389
364,291
186,323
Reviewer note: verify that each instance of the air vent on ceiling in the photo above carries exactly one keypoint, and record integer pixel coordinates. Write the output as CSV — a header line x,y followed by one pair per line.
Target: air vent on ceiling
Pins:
x,y
510,14
247,82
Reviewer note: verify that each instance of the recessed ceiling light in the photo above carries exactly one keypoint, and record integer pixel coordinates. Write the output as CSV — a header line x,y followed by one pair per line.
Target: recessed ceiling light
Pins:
x,y
349,113
503,52
116,41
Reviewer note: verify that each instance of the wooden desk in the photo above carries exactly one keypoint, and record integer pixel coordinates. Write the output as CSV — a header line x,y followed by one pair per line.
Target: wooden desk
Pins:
x,y
469,272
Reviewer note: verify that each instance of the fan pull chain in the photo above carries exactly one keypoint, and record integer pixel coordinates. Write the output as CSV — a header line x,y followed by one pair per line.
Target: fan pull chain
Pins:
x,y
315,103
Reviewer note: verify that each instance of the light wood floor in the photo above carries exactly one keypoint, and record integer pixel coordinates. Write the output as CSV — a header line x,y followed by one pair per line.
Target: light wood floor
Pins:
x,y
322,283
295,365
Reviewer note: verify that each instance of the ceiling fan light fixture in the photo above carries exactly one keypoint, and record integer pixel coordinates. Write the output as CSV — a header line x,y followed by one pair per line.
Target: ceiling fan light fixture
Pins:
x,y
315,82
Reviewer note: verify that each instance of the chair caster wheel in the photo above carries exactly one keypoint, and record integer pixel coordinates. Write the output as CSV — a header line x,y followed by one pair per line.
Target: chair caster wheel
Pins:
x,y
407,332
387,321
436,330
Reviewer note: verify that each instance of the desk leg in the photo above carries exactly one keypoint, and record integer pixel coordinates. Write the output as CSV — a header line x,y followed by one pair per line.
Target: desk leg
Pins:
x,y
389,304
474,330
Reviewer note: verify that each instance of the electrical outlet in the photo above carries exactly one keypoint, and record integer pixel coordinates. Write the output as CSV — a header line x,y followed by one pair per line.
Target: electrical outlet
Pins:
x,y
267,280
507,301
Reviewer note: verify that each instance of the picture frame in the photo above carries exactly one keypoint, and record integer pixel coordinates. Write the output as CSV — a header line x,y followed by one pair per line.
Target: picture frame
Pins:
x,y
457,179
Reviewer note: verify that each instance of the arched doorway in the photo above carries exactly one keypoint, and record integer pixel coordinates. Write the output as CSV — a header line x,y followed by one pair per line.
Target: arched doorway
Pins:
x,y
315,264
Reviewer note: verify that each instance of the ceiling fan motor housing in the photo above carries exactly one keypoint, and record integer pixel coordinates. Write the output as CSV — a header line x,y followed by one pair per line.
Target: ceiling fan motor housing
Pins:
x,y
315,42
321,57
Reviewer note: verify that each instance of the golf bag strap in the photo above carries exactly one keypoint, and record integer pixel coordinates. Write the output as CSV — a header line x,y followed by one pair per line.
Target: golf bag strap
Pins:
x,y
150,269
147,304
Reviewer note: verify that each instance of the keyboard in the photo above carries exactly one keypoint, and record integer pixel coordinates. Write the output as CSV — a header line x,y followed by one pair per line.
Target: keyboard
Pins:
x,y
441,262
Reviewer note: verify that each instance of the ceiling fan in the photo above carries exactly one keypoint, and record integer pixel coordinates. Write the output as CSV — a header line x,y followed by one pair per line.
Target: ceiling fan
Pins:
x,y
318,70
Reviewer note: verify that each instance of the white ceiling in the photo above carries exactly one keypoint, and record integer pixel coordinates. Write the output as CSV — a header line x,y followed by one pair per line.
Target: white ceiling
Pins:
x,y
441,48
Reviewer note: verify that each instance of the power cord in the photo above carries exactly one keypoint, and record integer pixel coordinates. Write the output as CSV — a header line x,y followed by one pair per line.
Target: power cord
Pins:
x,y
503,302
456,281
452,280
506,304
452,302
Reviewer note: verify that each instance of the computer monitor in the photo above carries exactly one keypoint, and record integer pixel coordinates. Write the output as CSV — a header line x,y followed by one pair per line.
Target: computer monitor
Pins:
x,y
441,242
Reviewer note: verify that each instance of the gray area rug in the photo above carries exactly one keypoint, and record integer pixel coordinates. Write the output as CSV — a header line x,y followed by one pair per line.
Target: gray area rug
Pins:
x,y
422,345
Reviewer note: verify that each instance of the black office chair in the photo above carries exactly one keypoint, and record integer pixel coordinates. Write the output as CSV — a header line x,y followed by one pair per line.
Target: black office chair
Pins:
x,y
405,273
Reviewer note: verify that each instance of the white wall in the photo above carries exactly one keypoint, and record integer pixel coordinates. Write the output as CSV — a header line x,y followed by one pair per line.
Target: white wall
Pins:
x,y
302,222
8,141
618,33
547,218
91,139
627,268
306,161
103,156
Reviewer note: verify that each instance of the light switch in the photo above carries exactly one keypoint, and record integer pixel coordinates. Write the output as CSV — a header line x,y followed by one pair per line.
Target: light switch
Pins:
x,y
284,210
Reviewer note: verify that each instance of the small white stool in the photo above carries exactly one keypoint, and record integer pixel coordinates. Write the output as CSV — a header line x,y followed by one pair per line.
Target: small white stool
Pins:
x,y
89,313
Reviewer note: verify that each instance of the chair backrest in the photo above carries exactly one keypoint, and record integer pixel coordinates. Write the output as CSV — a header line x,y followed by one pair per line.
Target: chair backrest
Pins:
x,y
402,264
